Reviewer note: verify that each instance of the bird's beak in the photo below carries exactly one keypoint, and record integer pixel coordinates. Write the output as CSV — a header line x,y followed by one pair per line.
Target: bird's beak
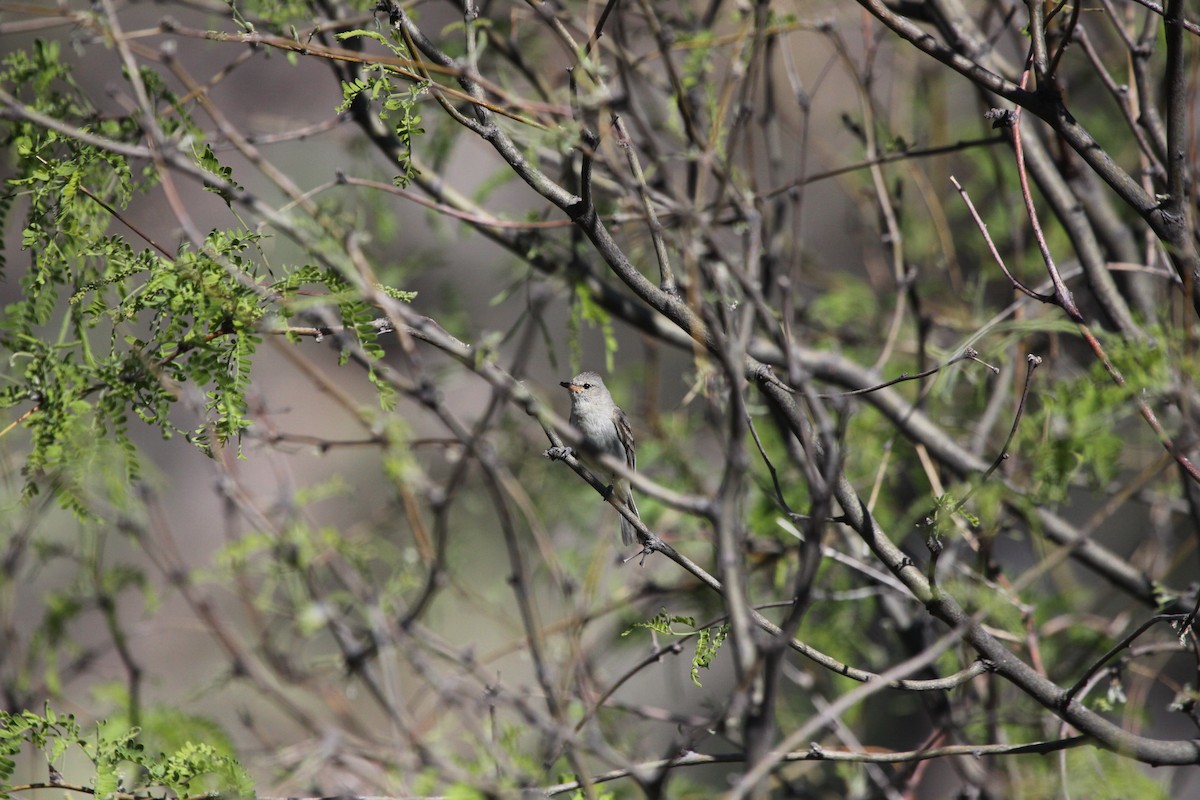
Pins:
x,y
570,387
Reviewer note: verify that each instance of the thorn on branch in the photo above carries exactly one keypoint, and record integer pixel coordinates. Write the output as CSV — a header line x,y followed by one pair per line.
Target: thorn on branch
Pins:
x,y
973,354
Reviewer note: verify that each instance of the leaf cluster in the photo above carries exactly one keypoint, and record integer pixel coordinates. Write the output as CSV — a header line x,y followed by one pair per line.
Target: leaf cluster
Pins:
x,y
377,84
121,766
708,639
111,325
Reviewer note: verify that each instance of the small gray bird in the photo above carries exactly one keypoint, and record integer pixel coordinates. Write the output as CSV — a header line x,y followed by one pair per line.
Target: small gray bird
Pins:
x,y
605,430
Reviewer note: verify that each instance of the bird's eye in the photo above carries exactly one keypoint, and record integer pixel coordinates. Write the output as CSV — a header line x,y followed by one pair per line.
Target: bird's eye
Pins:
x,y
587,386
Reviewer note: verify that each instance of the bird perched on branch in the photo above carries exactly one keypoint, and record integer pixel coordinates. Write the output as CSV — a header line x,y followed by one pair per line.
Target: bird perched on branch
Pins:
x,y
605,429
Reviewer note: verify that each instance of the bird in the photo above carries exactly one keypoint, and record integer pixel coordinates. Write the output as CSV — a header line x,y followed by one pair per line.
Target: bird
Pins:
x,y
605,429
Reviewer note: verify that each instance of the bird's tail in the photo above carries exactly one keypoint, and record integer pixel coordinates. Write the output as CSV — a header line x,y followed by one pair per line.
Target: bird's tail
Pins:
x,y
628,530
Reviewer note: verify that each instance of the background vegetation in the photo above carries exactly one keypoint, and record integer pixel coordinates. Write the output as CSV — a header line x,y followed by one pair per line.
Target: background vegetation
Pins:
x,y
901,299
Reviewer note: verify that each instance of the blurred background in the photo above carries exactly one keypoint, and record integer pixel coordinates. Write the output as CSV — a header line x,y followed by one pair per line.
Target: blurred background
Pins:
x,y
342,556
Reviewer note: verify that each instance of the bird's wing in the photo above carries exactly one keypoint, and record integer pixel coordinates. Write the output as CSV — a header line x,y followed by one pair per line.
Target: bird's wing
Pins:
x,y
625,434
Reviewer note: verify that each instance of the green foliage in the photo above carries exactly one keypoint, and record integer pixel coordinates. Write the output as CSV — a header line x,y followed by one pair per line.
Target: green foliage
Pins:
x,y
164,728
599,793
120,763
109,327
1083,438
99,584
461,791
699,63
1086,420
496,181
1092,773
584,309
208,160
358,319
300,577
839,308
946,512
708,640
273,15
377,84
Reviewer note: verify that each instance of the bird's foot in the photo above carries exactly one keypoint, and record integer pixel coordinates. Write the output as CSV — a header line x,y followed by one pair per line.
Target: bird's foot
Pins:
x,y
640,554
558,453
